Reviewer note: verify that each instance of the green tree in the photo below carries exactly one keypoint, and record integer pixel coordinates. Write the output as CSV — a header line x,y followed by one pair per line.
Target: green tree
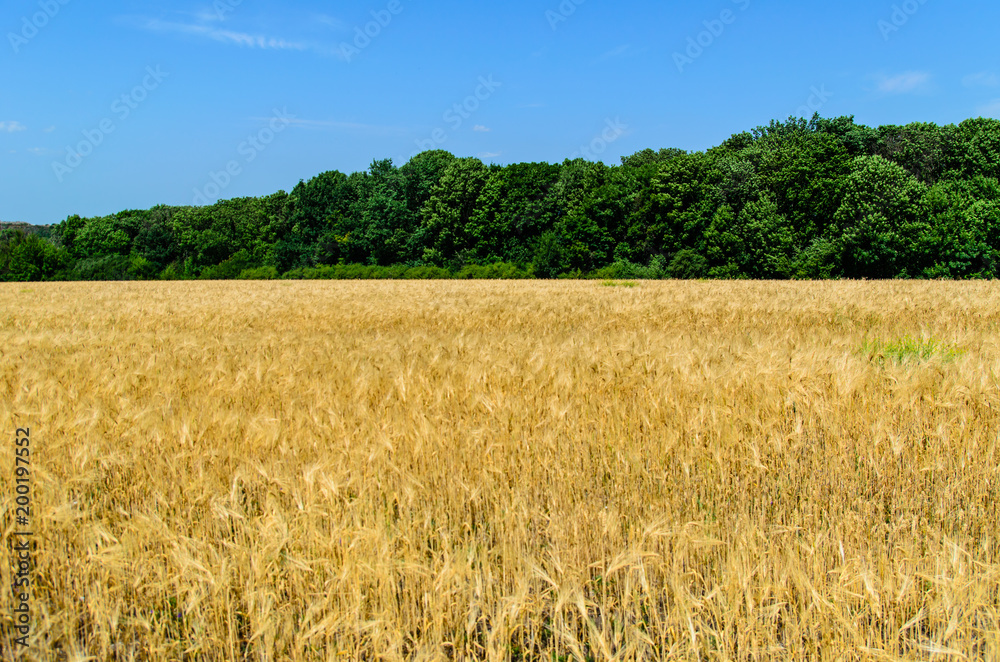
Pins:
x,y
962,231
447,232
879,223
975,150
769,240
421,174
550,256
673,212
154,241
386,219
28,257
108,235
805,172
650,157
513,209
596,221
921,148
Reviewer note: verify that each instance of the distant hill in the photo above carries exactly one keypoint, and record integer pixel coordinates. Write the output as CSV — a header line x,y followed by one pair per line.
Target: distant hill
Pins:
x,y
28,228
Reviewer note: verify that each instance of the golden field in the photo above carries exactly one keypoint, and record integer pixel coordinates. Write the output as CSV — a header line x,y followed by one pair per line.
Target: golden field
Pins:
x,y
506,470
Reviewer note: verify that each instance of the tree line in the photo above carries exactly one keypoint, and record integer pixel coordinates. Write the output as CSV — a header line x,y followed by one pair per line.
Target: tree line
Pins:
x,y
798,199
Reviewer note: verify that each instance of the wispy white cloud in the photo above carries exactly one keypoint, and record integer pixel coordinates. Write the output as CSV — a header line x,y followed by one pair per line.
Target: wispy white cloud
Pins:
x,y
911,81
50,129
617,52
207,26
41,151
329,21
489,155
982,79
481,129
991,109
206,16
224,36
11,127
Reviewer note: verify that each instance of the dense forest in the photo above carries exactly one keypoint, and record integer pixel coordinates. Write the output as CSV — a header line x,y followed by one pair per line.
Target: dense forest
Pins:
x,y
803,199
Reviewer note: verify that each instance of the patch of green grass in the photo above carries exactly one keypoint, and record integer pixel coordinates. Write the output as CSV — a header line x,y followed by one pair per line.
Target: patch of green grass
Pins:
x,y
909,349
619,283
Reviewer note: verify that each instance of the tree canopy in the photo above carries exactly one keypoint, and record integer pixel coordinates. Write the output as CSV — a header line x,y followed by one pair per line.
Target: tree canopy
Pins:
x,y
818,198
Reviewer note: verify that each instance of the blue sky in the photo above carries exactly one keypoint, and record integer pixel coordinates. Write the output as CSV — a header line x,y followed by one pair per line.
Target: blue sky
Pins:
x,y
112,105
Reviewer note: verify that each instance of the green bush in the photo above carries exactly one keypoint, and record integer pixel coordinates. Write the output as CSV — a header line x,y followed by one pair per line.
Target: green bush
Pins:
x,y
688,265
258,273
29,257
109,267
140,268
817,262
495,271
229,269
426,273
498,271
625,270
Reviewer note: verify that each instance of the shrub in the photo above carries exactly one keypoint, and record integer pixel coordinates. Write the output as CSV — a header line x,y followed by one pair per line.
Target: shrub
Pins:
x,y
109,267
817,262
426,273
625,270
495,271
688,264
258,273
229,269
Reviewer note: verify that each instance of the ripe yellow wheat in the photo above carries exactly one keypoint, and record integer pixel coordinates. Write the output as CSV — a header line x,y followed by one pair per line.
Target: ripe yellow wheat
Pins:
x,y
507,471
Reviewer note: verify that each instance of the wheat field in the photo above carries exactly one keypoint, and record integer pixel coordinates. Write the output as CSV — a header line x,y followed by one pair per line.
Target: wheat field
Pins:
x,y
506,470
